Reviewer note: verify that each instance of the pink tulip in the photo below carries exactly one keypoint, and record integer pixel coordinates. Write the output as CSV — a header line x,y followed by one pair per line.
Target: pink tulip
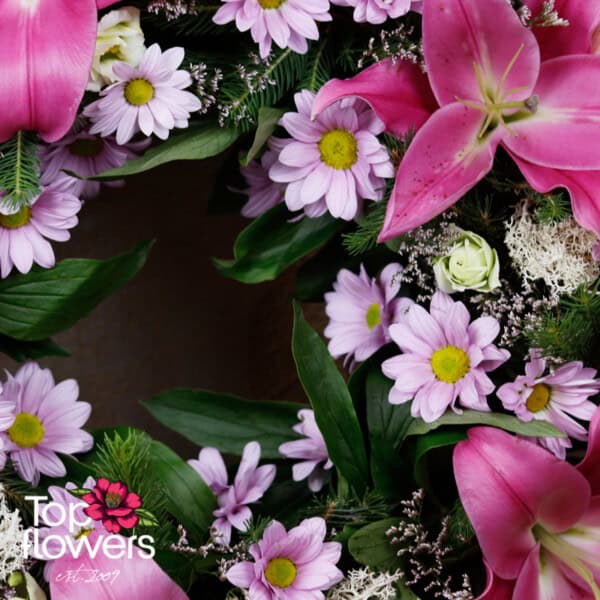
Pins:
x,y
47,48
536,517
485,72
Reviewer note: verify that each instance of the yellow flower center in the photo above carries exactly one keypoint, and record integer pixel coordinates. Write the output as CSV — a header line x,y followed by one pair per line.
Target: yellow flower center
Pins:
x,y
338,149
270,4
139,92
450,364
539,398
281,572
19,219
27,431
86,147
83,533
373,316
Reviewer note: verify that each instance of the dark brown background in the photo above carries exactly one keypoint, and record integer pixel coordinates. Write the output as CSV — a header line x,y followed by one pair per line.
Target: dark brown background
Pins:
x,y
179,323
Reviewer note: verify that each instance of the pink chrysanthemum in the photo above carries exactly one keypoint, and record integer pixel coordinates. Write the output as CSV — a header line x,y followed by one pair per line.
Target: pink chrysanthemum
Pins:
x,y
87,155
555,397
311,450
263,193
288,23
445,358
361,310
290,565
250,483
23,234
150,98
48,421
377,11
335,161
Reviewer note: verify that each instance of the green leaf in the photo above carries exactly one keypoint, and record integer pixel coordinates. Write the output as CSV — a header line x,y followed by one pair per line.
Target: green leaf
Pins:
x,y
388,426
226,422
370,546
195,143
502,421
331,401
23,351
46,301
189,499
271,243
79,492
147,519
267,122
426,443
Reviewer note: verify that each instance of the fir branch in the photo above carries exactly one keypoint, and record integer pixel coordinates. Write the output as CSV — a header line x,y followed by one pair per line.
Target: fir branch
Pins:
x,y
258,83
365,237
552,208
319,68
19,170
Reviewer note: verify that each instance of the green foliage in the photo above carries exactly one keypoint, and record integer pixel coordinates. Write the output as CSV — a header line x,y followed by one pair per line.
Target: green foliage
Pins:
x,y
265,83
364,238
272,243
319,67
349,511
195,143
188,498
424,445
552,208
267,122
127,458
331,402
572,331
491,419
24,351
371,547
198,24
226,422
43,302
19,170
460,529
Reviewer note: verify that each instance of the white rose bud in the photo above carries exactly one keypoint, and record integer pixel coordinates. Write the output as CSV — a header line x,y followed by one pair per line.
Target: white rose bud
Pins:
x,y
120,38
470,264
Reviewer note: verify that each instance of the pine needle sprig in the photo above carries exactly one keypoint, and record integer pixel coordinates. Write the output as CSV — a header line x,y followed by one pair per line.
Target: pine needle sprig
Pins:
x,y
364,238
19,170
552,208
257,83
319,66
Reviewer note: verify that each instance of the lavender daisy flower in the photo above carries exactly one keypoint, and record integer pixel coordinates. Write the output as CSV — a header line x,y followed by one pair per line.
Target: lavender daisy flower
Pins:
x,y
335,161
250,483
555,397
263,193
445,358
361,310
289,565
149,98
48,421
312,451
288,23
24,234
376,11
7,418
87,155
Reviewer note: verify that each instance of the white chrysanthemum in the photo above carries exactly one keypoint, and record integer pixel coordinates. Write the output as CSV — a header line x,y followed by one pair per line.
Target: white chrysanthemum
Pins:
x,y
11,539
559,253
364,584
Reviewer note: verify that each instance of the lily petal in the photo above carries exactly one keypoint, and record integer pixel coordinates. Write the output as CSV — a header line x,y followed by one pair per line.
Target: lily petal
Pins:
x,y
507,485
56,41
590,465
445,160
458,34
104,3
583,17
583,187
568,108
496,588
399,94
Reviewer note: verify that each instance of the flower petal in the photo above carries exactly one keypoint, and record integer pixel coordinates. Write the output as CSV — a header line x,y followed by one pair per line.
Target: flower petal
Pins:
x,y
590,465
398,93
445,160
56,40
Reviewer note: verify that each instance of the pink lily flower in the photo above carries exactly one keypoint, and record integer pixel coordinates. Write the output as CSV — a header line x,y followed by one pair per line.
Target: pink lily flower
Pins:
x,y
47,47
485,72
536,517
